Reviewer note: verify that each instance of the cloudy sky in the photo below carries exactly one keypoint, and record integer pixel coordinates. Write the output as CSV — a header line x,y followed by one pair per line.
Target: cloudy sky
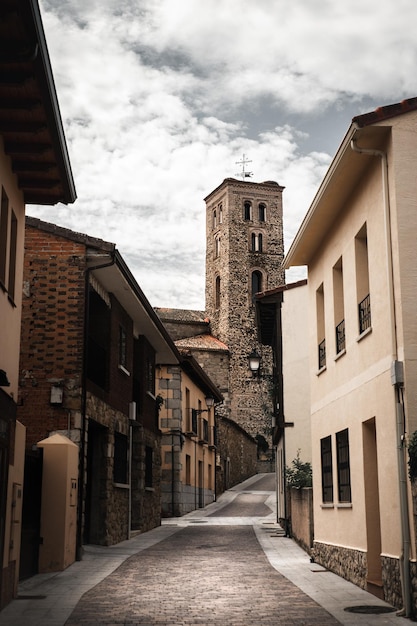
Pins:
x,y
161,98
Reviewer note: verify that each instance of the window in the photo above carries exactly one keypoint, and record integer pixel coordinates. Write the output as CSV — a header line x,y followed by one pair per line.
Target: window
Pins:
x,y
326,469
247,210
220,214
205,430
217,293
12,256
98,340
343,465
262,212
256,242
320,327
120,459
4,225
150,375
256,282
122,347
148,467
214,218
187,469
338,306
217,246
362,280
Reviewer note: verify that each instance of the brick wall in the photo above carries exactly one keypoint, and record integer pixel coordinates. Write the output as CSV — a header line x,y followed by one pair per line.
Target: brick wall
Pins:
x,y
52,335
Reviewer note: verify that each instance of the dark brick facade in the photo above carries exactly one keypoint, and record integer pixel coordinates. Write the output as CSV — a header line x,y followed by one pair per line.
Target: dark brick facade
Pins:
x,y
83,382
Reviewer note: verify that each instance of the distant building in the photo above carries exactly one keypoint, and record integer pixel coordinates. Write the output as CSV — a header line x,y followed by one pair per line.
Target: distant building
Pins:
x,y
358,241
188,401
34,168
244,251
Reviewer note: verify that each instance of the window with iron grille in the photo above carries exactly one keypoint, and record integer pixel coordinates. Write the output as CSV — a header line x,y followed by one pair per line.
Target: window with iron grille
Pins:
x,y
321,330
322,354
326,469
364,311
340,337
362,279
339,305
343,465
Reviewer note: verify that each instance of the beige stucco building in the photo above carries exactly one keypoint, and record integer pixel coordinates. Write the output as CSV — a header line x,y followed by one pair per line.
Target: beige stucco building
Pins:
x,y
188,399
358,241
34,168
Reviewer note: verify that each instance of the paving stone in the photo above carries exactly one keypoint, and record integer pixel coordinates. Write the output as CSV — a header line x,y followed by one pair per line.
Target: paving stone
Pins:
x,y
202,575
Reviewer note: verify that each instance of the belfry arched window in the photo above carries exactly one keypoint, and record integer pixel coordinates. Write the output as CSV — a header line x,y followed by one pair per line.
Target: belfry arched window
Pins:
x,y
217,293
256,242
214,218
262,212
256,282
217,246
247,210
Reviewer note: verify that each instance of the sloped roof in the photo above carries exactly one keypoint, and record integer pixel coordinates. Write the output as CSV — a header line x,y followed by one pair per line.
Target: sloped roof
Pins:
x,y
346,168
60,231
182,315
202,342
30,120
385,112
110,269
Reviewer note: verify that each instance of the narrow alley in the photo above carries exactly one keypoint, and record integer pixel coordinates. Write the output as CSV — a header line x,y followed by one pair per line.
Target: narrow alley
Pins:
x,y
228,564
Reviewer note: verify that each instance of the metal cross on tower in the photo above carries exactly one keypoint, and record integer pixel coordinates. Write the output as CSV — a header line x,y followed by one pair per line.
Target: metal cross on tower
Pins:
x,y
244,174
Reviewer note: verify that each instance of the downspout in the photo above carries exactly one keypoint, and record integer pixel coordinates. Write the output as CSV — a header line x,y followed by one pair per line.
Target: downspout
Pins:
x,y
88,270
397,381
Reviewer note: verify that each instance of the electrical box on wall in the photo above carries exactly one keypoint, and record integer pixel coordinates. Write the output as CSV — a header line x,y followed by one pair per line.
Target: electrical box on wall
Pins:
x,y
57,394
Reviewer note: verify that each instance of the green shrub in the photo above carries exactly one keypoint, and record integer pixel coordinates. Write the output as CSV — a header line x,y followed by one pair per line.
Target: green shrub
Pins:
x,y
299,474
412,457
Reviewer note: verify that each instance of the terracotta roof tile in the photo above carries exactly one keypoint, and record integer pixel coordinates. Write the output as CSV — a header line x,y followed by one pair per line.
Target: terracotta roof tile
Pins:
x,y
201,342
385,112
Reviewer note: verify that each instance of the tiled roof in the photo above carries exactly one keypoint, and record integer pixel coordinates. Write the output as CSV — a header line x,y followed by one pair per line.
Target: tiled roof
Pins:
x,y
201,342
385,112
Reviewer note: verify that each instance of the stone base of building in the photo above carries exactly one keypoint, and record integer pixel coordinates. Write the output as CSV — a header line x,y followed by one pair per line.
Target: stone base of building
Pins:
x,y
187,499
352,565
345,562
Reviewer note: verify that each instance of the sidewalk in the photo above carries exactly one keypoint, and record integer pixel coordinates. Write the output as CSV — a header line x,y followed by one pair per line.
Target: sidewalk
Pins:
x,y
49,599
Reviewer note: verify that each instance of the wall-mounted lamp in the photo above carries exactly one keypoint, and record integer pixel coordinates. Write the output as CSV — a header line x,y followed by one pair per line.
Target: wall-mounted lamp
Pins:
x,y
4,381
209,404
254,363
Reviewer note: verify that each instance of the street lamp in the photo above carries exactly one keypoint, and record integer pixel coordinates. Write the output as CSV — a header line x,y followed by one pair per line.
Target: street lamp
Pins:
x,y
254,363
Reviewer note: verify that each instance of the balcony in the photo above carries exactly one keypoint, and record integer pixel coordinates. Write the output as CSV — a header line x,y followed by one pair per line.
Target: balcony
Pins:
x,y
340,337
364,310
322,354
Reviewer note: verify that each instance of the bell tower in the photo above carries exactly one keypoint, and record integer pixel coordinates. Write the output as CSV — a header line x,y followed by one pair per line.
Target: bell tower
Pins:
x,y
244,253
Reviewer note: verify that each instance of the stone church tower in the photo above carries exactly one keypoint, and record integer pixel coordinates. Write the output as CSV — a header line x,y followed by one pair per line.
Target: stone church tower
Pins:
x,y
244,253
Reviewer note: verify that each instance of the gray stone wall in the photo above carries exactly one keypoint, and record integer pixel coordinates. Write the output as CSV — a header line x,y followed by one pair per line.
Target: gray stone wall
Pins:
x,y
236,455
345,562
352,565
249,401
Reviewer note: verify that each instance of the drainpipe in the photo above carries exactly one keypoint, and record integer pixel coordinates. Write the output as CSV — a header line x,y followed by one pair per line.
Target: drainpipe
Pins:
x,y
78,554
397,382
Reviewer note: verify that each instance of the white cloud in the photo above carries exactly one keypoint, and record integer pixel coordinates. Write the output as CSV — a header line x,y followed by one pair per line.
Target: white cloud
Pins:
x,y
159,100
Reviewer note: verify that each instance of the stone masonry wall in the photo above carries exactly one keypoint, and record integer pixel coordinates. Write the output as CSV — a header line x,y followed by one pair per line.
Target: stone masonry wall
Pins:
x,y
232,312
236,455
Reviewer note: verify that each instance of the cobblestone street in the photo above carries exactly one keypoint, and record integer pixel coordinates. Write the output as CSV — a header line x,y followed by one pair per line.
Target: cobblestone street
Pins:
x,y
200,575
228,564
